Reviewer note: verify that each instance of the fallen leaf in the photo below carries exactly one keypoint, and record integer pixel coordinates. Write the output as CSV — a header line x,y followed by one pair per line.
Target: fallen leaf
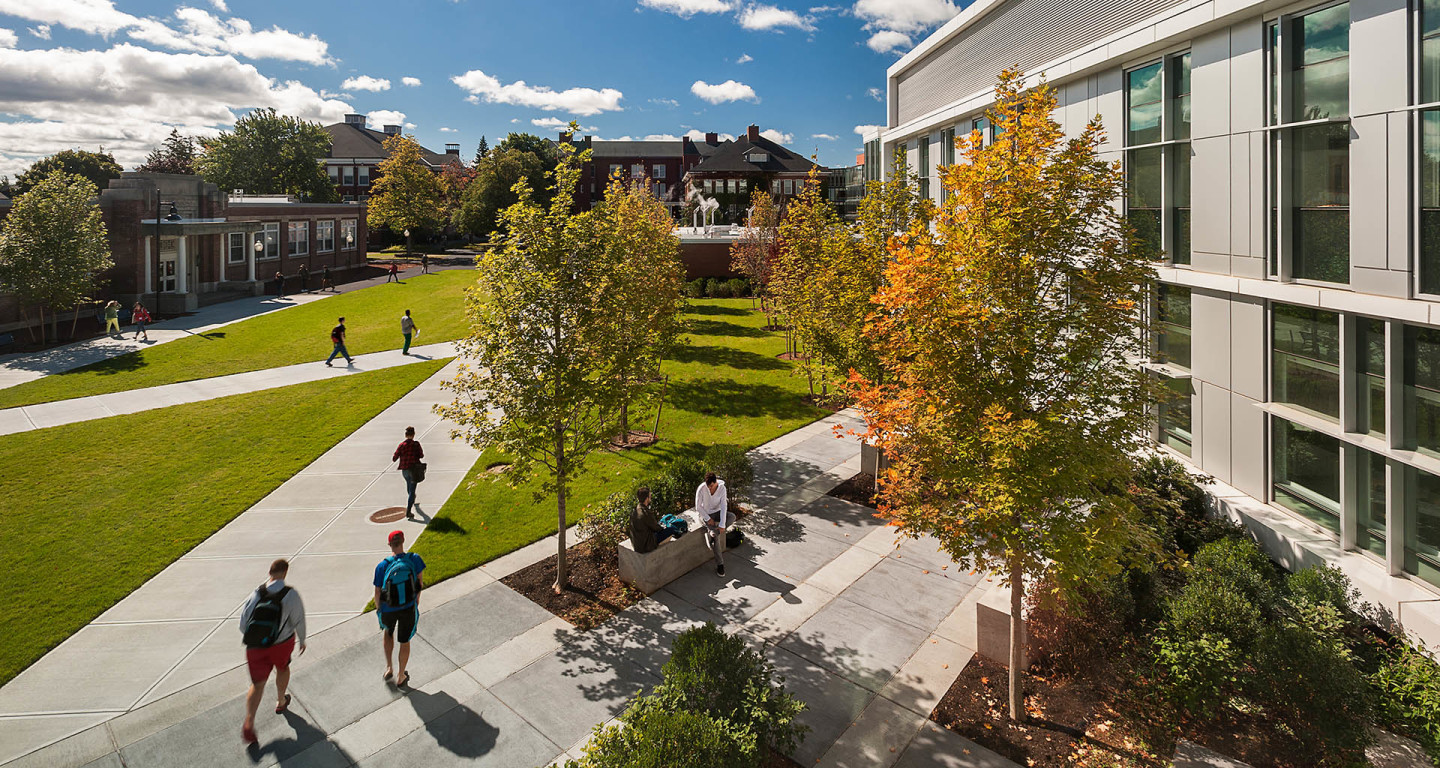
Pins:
x,y
944,666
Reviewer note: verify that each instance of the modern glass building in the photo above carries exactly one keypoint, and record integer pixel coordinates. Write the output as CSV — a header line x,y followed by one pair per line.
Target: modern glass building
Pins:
x,y
1300,323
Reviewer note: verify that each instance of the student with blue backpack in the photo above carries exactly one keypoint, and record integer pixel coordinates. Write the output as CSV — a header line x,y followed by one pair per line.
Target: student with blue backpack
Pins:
x,y
272,622
397,592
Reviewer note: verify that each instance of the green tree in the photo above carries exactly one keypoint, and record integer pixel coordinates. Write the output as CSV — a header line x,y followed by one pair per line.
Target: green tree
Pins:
x,y
408,196
176,155
269,154
54,245
537,327
755,252
493,189
1009,408
96,167
481,151
528,142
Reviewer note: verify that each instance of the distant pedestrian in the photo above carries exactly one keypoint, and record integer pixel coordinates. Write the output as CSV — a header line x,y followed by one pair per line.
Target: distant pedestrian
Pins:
x,y
325,279
112,318
271,623
304,279
141,318
394,273
425,263
409,330
398,583
279,284
337,337
409,454
712,505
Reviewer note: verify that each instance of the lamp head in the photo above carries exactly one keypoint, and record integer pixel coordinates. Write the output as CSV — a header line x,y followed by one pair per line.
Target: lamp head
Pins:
x,y
173,215
407,233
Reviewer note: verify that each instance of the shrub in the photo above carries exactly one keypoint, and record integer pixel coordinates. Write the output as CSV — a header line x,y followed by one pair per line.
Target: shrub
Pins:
x,y
1407,695
738,287
1239,566
671,491
1173,506
733,465
609,524
695,289
721,676
1313,691
652,736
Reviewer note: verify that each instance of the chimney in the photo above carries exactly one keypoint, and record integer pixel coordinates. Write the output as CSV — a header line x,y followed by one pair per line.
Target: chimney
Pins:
x,y
588,140
712,138
356,120
753,132
392,130
452,149
685,144
564,137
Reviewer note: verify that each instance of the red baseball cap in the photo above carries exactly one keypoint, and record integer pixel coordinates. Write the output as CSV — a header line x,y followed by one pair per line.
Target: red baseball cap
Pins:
x,y
396,537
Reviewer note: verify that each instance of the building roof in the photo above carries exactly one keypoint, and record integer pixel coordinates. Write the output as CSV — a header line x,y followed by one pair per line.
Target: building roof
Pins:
x,y
350,140
660,149
743,156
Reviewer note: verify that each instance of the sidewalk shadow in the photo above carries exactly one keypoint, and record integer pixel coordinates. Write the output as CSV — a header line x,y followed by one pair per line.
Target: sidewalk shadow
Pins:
x,y
456,728
421,357
287,749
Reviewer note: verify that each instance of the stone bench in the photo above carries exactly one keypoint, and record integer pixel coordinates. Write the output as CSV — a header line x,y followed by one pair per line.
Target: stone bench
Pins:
x,y
649,571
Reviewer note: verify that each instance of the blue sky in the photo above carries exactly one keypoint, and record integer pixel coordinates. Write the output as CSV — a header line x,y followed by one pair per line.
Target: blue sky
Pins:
x,y
120,73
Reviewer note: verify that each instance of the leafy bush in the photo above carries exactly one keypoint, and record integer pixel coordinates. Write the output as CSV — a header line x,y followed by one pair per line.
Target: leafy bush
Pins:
x,y
1236,565
653,736
1310,688
1407,695
733,465
609,524
738,287
1174,507
695,289
712,287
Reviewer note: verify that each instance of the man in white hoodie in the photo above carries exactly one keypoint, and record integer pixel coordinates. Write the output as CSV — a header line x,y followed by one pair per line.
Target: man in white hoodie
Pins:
x,y
712,505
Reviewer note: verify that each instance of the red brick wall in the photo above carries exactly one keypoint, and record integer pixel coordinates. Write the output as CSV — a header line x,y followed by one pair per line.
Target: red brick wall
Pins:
x,y
706,259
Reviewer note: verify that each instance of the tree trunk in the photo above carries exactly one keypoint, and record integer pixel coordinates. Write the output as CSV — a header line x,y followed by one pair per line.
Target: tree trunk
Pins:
x,y
30,329
1017,642
76,322
562,570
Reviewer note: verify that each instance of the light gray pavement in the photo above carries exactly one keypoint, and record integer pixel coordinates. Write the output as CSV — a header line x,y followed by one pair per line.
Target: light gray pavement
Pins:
x,y
42,415
869,634
27,366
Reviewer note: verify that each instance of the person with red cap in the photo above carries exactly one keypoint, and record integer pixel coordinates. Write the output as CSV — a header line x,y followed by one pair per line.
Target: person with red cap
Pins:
x,y
397,603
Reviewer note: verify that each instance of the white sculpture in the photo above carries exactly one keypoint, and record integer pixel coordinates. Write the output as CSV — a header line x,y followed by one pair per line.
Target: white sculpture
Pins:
x,y
705,207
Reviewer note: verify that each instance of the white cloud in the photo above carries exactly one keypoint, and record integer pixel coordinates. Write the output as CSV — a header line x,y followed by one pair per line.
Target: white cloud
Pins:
x,y
196,31
366,83
671,103
825,8
876,94
448,130
698,135
41,31
720,93
220,6
687,8
894,23
768,17
413,82
888,40
410,126
861,130
8,38
745,58
384,117
556,123
777,137
118,98
646,137
825,136
576,101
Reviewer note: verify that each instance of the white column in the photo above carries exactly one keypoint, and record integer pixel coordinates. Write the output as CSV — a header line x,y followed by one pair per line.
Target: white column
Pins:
x,y
181,264
250,257
149,279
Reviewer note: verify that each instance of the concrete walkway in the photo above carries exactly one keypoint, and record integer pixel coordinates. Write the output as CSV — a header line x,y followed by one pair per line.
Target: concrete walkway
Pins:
x,y
42,415
869,634
180,627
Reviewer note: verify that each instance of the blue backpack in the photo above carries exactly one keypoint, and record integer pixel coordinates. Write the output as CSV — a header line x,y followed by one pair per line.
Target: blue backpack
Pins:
x,y
401,583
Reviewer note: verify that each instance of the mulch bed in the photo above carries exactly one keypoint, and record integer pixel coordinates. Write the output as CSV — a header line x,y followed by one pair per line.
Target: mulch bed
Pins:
x,y
859,489
633,439
828,402
595,592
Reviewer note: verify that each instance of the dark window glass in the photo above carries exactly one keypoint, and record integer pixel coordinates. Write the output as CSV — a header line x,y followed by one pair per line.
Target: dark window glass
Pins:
x,y
1175,417
1180,92
1422,528
1306,366
1372,377
1430,201
1370,516
1430,51
1422,387
1321,64
1180,211
1173,343
1320,167
1143,87
1272,36
1144,179
1307,473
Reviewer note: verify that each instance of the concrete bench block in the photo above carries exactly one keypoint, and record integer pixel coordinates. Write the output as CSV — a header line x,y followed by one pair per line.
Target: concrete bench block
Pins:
x,y
992,626
649,571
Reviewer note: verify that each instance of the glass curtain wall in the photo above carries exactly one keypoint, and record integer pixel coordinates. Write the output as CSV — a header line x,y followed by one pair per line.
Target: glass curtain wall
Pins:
x,y
1180,178
1422,527
1370,515
1306,469
1422,388
1429,266
923,158
1305,371
1371,413
1173,343
1158,163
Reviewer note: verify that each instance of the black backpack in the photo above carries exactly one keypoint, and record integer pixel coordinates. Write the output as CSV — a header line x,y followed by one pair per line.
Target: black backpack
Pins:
x,y
335,333
263,628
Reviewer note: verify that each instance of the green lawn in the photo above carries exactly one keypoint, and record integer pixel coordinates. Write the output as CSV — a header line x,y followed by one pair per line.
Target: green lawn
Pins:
x,y
94,509
726,387
296,335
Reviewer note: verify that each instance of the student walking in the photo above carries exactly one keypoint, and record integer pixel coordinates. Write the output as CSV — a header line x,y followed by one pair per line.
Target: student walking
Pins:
x,y
271,624
394,273
408,329
279,285
325,279
425,263
337,337
397,591
141,316
409,455
712,504
112,318
304,279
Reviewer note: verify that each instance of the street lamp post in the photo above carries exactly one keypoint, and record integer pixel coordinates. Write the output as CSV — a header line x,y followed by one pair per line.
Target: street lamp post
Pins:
x,y
173,215
407,243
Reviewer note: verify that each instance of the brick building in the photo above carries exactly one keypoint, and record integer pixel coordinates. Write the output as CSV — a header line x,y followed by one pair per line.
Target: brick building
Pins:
x,y
356,150
207,250
662,163
734,169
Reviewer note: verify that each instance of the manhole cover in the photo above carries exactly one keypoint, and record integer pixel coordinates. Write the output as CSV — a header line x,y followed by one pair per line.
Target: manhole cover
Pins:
x,y
388,515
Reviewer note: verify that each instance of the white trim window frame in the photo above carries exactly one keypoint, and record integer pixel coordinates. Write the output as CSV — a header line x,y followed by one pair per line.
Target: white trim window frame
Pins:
x,y
297,238
237,247
325,236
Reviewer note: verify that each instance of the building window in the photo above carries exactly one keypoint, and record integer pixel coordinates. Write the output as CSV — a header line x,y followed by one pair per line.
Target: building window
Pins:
x,y
1430,148
1370,514
347,233
616,169
347,176
1158,165
334,174
1306,471
364,175
981,125
1422,387
299,238
237,243
1370,416
324,236
947,146
657,172
1310,81
1306,365
1175,417
661,188
1422,526
1173,340
923,158
272,240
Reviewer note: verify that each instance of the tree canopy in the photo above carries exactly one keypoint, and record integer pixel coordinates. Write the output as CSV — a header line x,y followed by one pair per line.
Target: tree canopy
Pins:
x,y
269,154
96,167
407,194
519,157
176,155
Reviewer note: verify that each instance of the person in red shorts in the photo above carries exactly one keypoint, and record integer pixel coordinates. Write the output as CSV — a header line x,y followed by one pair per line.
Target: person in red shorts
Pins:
x,y
272,622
